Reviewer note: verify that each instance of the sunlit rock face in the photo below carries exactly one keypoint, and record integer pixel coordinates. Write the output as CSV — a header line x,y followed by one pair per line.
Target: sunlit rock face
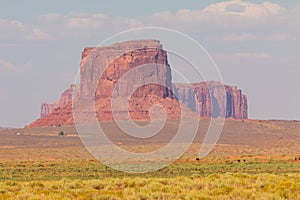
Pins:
x,y
213,99
102,72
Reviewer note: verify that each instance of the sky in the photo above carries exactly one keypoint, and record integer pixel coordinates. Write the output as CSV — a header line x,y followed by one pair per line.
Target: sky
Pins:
x,y
255,45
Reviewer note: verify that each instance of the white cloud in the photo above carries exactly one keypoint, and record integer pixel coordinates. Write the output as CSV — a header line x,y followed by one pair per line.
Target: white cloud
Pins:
x,y
245,9
85,21
11,29
230,21
50,17
83,25
11,24
230,15
38,34
235,21
53,26
81,21
133,23
8,67
16,30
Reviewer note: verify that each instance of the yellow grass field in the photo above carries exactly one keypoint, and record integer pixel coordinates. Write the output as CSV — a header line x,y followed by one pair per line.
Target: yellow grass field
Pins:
x,y
253,159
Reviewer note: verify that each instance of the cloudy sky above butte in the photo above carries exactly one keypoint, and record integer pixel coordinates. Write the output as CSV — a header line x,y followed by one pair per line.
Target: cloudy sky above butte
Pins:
x,y
256,45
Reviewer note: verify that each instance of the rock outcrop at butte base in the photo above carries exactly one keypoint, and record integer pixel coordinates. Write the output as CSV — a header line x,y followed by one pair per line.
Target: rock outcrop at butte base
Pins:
x,y
65,98
47,108
101,75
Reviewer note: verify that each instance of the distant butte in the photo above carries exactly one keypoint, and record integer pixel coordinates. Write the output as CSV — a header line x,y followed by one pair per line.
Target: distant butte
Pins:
x,y
206,99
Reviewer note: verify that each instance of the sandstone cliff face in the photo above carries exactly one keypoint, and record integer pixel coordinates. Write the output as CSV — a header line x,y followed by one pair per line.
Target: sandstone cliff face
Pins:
x,y
104,66
102,72
65,98
213,99
152,73
47,108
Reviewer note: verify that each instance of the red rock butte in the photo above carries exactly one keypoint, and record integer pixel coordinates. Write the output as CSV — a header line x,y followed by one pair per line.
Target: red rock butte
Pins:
x,y
101,77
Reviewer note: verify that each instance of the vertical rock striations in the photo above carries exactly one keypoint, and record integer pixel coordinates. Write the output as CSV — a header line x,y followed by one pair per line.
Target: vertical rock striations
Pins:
x,y
208,99
47,108
101,75
104,66
102,72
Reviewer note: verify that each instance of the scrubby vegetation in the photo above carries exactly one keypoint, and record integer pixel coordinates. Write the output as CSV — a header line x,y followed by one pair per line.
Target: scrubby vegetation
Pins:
x,y
252,160
92,169
213,186
84,179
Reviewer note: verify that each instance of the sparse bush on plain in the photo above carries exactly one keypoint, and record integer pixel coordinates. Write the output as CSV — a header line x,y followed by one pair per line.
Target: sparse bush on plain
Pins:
x,y
61,133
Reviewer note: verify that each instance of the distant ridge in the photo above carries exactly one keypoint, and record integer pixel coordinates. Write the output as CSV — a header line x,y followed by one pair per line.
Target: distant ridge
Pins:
x,y
4,128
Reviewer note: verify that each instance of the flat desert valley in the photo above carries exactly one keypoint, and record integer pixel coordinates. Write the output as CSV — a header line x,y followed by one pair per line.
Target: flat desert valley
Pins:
x,y
253,159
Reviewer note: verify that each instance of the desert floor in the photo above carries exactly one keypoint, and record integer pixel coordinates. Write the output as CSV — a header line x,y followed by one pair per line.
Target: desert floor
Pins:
x,y
253,159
